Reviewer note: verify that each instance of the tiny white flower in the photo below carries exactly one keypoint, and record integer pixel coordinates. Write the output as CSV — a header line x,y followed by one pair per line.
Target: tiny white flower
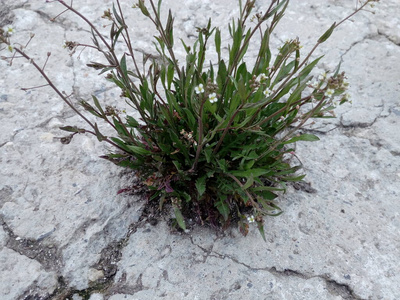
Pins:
x,y
346,97
9,30
189,136
329,92
250,219
315,84
267,92
262,77
199,89
213,98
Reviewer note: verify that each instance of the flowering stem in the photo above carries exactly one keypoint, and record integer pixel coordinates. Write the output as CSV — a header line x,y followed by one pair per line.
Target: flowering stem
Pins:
x,y
115,61
128,43
51,84
160,29
234,63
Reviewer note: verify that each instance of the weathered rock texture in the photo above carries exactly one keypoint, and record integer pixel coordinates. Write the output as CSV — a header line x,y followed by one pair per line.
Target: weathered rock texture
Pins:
x,y
66,234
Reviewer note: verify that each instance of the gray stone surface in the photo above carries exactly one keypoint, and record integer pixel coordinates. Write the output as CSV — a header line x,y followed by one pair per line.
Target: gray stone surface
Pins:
x,y
66,233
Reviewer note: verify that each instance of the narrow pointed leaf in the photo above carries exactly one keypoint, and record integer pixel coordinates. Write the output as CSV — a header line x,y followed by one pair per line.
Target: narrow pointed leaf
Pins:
x,y
179,218
304,137
327,34
201,185
223,208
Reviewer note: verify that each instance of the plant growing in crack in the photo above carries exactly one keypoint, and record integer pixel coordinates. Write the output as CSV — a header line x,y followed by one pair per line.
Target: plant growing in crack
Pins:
x,y
213,139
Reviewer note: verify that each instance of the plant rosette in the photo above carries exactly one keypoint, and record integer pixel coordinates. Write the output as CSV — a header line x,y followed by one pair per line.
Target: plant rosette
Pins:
x,y
213,140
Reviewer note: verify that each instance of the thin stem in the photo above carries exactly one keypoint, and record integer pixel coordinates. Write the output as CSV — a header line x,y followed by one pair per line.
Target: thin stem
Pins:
x,y
243,47
50,83
278,112
254,203
161,30
356,11
200,134
47,59
289,77
128,42
108,141
127,79
309,115
34,87
227,128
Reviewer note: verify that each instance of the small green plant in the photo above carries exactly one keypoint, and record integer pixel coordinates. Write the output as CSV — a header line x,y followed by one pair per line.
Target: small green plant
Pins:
x,y
214,139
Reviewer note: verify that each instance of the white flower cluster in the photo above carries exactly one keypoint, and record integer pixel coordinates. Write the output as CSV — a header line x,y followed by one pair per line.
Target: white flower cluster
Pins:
x,y
200,89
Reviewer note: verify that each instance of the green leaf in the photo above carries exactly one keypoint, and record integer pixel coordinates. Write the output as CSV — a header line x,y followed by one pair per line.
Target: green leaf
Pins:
x,y
177,165
304,137
266,195
120,129
327,34
143,8
222,164
169,29
201,185
190,119
249,182
297,178
99,136
170,75
252,172
208,153
337,69
179,218
90,108
132,122
138,150
117,17
115,37
308,68
222,74
123,66
73,129
121,144
297,60
94,39
276,8
223,208
218,42
97,103
260,227
284,71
